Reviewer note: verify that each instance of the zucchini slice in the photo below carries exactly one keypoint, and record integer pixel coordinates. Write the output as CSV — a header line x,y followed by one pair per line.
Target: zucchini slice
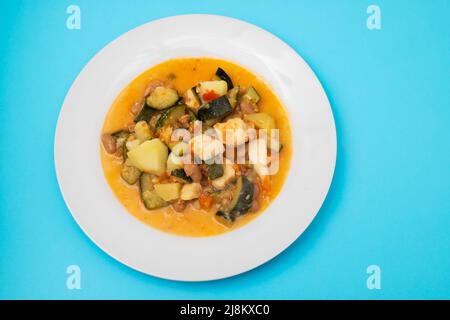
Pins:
x,y
191,99
232,96
251,95
215,109
221,74
181,175
192,116
241,203
145,113
215,170
149,196
130,174
162,98
170,116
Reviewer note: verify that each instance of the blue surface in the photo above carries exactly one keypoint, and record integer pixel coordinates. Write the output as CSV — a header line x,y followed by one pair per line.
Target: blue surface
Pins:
x,y
389,204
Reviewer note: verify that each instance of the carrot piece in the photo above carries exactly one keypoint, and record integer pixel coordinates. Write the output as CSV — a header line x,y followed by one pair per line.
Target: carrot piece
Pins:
x,y
265,184
205,201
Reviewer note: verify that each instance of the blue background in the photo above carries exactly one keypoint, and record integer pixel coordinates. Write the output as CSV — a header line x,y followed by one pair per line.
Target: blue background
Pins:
x,y
389,203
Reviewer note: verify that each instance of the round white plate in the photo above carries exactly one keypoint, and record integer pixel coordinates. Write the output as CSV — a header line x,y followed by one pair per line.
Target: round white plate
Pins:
x,y
104,219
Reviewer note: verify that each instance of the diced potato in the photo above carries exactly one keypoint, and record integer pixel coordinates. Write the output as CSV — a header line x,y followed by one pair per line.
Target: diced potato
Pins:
x,y
168,191
261,120
142,131
191,191
227,176
162,98
150,156
132,144
220,87
175,160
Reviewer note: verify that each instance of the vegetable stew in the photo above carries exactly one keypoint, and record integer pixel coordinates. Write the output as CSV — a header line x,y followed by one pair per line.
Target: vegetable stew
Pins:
x,y
196,146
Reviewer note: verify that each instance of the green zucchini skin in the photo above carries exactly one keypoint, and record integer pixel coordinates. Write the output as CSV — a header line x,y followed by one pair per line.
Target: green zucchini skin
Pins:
x,y
170,115
215,109
233,96
244,195
251,95
181,174
149,196
145,113
225,217
221,74
192,116
215,170
130,174
241,203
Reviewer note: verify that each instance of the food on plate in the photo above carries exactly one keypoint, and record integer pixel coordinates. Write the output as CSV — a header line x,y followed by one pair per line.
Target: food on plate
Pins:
x,y
196,146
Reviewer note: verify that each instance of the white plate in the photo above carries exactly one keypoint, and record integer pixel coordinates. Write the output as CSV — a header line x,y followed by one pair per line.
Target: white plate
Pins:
x,y
146,249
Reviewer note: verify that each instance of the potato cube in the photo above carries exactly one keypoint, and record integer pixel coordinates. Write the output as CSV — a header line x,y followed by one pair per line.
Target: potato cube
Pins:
x,y
150,156
168,191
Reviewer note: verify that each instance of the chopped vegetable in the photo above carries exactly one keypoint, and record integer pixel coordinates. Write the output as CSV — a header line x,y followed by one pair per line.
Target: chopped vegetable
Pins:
x,y
168,191
191,99
215,109
162,98
205,201
170,116
142,131
221,74
232,96
150,156
251,95
219,88
130,145
261,120
227,176
174,162
149,196
181,175
130,174
145,113
191,191
215,170
241,202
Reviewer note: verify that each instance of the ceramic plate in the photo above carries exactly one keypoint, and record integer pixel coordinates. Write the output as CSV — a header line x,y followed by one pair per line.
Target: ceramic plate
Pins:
x,y
144,248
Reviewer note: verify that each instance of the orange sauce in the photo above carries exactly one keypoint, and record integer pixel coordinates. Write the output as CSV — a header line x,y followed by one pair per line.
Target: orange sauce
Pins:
x,y
184,73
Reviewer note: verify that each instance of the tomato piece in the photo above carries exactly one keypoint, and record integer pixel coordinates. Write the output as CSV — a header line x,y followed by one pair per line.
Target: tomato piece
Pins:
x,y
210,95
